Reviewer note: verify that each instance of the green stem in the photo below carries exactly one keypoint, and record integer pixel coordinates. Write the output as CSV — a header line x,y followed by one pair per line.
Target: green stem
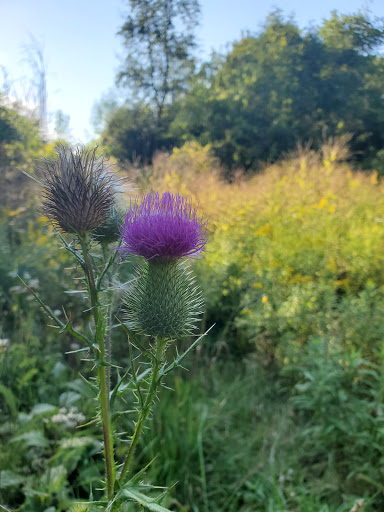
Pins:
x,y
145,410
101,368
104,248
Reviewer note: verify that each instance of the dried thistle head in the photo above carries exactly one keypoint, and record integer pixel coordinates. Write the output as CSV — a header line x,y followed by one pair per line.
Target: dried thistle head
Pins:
x,y
78,189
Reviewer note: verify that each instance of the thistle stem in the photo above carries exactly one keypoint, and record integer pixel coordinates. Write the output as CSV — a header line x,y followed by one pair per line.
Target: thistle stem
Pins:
x,y
145,410
101,367
104,248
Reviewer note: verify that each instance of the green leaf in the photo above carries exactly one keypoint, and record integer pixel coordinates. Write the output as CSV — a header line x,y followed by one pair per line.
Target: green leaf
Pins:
x,y
56,478
10,399
131,336
10,479
178,359
86,507
32,438
119,388
84,387
68,398
143,500
79,507
42,409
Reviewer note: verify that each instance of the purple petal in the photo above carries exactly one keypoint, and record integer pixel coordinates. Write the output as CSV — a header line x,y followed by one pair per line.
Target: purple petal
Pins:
x,y
164,227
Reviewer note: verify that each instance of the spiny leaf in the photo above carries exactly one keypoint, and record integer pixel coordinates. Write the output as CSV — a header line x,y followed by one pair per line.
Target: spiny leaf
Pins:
x,y
178,359
143,500
131,336
63,327
116,388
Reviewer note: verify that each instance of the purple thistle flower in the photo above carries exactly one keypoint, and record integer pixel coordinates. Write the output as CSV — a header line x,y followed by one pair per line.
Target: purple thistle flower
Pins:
x,y
163,227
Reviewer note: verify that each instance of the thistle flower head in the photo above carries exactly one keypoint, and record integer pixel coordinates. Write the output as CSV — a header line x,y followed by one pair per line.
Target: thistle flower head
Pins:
x,y
164,300
163,227
78,189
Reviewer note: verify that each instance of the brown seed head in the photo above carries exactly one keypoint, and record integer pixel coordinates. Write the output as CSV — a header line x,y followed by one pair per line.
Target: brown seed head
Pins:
x,y
78,189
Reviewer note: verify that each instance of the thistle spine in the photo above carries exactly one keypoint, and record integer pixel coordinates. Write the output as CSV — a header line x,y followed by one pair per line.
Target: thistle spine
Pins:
x,y
164,300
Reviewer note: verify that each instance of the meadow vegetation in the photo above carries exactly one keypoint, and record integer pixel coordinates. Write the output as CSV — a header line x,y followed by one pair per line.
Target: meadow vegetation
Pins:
x,y
282,409
283,405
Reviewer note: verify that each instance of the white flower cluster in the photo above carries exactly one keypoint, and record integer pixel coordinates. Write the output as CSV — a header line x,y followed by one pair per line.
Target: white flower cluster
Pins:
x,y
69,418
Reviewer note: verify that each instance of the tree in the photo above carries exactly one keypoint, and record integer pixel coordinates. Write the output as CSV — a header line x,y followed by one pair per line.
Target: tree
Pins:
x,y
8,131
103,109
273,90
356,32
285,86
158,37
247,102
20,144
133,134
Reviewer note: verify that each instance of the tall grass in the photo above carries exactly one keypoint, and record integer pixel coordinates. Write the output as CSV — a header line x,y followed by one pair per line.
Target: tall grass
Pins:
x,y
282,410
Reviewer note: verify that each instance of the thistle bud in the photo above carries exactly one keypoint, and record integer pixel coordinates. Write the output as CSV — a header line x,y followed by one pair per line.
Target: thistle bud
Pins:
x,y
108,232
78,189
164,300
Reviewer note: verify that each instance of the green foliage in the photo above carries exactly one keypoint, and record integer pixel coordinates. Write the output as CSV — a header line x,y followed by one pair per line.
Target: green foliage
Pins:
x,y
282,409
295,252
8,131
292,276
158,36
338,399
20,143
232,439
30,252
51,462
285,85
46,460
357,32
274,89
19,136
134,134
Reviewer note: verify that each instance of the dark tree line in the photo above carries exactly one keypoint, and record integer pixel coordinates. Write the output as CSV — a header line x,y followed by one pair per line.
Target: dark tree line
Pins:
x,y
274,89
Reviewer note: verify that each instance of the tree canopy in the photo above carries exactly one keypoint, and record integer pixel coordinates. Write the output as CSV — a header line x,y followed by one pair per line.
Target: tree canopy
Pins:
x,y
158,36
273,90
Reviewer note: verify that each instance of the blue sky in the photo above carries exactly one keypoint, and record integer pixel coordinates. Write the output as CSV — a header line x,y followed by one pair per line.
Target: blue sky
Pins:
x,y
82,50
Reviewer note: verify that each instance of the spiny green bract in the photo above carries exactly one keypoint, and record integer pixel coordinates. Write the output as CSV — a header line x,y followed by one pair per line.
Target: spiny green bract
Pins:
x,y
108,232
163,300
